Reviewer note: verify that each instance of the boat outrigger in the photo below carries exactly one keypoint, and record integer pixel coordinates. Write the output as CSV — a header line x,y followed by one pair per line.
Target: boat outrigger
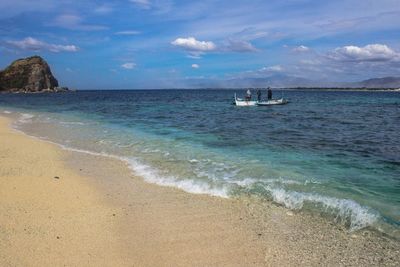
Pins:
x,y
280,101
241,102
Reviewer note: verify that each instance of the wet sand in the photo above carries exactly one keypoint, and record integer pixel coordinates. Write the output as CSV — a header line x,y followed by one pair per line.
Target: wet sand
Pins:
x,y
62,208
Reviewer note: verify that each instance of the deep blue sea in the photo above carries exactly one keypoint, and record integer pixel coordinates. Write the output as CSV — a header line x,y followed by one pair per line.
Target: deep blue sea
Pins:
x,y
332,152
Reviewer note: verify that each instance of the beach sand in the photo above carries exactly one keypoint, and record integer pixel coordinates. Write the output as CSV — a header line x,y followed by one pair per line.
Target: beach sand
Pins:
x,y
62,208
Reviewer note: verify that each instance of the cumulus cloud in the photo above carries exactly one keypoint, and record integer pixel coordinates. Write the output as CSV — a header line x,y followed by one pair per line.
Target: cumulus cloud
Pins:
x,y
301,49
33,44
128,33
195,66
197,48
368,53
240,46
128,65
191,44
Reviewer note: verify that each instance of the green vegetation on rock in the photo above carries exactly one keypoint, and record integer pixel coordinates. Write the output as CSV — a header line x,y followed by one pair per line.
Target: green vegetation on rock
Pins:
x,y
30,74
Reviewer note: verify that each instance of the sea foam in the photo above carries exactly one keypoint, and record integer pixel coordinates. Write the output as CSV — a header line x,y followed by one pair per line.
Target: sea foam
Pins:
x,y
344,210
25,117
152,175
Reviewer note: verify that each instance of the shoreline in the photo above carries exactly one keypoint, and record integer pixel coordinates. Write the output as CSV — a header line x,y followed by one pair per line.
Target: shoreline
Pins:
x,y
103,217
135,222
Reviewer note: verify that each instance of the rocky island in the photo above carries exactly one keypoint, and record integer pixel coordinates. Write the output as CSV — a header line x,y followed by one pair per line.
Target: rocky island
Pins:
x,y
29,75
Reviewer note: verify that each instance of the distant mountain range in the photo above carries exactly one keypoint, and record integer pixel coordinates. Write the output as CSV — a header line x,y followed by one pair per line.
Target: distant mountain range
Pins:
x,y
386,82
285,81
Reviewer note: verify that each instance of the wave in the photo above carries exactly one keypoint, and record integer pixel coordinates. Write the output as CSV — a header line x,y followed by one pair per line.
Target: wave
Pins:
x,y
345,211
152,175
71,123
25,117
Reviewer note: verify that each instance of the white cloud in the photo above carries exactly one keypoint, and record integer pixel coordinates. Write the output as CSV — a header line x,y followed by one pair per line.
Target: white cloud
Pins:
x,y
75,22
309,62
145,4
16,7
33,44
371,52
240,46
276,68
197,48
250,33
192,44
103,9
128,65
195,66
194,55
127,32
301,48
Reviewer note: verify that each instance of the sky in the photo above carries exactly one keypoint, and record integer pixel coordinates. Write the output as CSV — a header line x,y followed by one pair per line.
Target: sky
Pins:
x,y
133,44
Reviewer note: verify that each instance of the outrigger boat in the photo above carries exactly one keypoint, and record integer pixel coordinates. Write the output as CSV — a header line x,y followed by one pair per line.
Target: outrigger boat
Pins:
x,y
242,102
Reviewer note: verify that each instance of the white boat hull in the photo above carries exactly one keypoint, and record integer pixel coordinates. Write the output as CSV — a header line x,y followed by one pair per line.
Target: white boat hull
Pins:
x,y
273,102
243,103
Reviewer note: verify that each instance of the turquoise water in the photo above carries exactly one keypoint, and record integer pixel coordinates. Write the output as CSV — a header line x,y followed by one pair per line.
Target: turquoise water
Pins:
x,y
335,153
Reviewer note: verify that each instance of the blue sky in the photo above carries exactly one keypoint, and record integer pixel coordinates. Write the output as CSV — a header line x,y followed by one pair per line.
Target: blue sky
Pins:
x,y
167,44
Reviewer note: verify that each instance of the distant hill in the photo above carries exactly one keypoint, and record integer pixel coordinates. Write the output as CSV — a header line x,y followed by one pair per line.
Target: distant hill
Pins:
x,y
287,81
273,81
30,74
386,82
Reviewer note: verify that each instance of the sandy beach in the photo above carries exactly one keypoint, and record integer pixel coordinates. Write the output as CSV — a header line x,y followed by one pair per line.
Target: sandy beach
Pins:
x,y
62,208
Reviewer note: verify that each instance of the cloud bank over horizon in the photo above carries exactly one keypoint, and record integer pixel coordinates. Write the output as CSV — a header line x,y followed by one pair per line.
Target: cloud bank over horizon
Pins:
x,y
162,44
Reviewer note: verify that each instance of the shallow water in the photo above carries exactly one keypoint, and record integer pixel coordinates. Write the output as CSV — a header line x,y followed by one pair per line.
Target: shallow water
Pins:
x,y
336,153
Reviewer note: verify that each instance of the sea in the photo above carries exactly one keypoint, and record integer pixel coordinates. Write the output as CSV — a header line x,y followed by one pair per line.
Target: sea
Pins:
x,y
335,153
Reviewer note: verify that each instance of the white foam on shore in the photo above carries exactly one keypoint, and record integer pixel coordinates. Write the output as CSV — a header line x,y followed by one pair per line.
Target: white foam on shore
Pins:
x,y
151,175
26,117
7,112
345,210
71,122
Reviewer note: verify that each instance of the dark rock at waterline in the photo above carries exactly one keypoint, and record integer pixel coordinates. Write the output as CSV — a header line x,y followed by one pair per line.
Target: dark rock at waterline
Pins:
x,y
28,75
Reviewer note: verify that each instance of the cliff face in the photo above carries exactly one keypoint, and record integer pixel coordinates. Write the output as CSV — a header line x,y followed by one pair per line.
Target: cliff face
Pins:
x,y
30,74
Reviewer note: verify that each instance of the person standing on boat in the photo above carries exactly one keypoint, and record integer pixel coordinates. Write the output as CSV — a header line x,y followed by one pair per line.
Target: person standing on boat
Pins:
x,y
259,95
269,93
248,95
